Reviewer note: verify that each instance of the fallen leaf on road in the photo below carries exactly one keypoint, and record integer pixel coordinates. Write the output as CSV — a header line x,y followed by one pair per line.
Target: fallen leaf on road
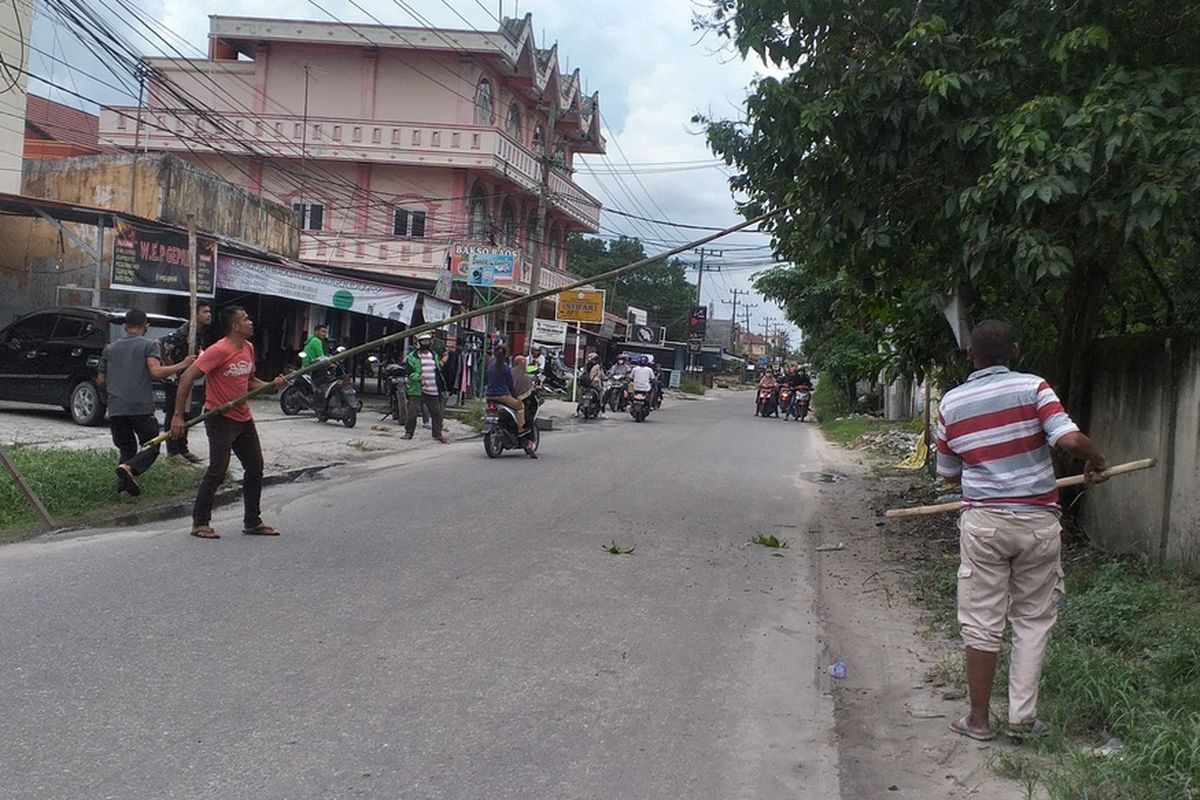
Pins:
x,y
616,549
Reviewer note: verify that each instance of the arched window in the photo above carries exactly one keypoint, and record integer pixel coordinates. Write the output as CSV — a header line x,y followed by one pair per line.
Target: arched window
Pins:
x,y
555,247
539,140
483,103
513,124
508,224
477,215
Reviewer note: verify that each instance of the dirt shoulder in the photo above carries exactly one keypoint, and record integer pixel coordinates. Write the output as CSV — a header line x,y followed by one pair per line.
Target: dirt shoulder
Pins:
x,y
892,717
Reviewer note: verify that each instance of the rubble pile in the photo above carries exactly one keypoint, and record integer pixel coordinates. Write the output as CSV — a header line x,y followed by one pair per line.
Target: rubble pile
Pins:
x,y
893,443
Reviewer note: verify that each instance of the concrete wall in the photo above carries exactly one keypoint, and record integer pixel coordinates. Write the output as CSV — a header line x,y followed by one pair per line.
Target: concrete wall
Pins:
x,y
167,189
13,50
1144,401
39,267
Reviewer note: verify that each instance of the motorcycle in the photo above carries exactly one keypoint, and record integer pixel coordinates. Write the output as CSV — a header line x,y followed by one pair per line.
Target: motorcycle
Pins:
x,y
615,397
803,399
396,376
335,398
589,406
785,399
500,426
768,403
639,406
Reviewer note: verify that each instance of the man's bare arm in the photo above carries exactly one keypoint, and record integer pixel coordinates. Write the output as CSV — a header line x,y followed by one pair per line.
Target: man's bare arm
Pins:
x,y
1085,450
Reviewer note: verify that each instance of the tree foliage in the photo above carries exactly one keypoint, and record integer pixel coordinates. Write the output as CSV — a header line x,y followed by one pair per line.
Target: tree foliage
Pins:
x,y
662,290
1040,159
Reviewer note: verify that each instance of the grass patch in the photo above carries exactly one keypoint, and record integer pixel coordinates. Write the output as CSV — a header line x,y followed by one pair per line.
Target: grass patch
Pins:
x,y
473,413
72,483
847,430
1123,661
692,387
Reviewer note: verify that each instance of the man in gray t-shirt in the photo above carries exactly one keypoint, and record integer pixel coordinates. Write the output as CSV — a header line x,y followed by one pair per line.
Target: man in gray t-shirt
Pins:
x,y
126,370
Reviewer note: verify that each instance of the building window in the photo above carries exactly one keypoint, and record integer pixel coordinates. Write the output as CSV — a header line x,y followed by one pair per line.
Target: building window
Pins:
x,y
483,103
408,223
513,125
539,140
508,224
309,216
477,215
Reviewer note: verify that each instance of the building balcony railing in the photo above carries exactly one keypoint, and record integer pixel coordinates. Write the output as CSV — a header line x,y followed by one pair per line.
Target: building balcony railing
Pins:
x,y
376,141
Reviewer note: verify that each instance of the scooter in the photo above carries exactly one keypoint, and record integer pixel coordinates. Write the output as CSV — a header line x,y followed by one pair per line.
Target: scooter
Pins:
x,y
500,427
785,399
335,399
767,404
803,399
615,397
589,403
639,406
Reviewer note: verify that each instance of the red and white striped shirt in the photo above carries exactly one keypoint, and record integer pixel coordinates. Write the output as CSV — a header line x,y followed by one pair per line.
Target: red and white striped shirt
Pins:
x,y
995,432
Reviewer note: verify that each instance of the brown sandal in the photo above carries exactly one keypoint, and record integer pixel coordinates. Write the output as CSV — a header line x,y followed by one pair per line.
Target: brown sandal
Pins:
x,y
261,529
205,532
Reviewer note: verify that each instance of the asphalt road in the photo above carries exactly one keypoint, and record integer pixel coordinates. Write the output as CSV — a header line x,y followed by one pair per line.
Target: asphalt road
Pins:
x,y
442,625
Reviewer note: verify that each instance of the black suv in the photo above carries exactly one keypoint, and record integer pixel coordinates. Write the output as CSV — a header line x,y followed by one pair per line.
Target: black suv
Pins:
x,y
50,357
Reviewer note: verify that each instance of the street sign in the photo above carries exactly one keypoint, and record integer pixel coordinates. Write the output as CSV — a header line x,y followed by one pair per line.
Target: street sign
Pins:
x,y
696,328
502,261
580,305
547,331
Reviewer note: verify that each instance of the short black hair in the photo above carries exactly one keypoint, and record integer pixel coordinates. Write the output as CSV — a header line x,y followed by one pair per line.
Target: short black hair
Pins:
x,y
992,341
227,315
203,304
135,318
321,327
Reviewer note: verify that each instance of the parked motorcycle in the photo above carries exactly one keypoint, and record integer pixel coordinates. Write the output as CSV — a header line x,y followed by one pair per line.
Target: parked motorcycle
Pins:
x,y
333,398
768,402
785,399
500,426
639,406
395,375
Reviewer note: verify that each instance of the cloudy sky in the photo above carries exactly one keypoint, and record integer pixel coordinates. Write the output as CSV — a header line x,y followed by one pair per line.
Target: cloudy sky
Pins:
x,y
652,69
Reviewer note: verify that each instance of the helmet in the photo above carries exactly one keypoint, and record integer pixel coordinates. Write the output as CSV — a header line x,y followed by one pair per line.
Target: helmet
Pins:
x,y
594,357
425,337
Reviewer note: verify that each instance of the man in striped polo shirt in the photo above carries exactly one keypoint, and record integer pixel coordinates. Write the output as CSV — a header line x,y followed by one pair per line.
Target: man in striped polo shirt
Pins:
x,y
994,436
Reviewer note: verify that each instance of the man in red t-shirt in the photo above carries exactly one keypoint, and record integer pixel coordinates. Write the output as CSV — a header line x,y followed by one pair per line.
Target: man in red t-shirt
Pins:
x,y
228,368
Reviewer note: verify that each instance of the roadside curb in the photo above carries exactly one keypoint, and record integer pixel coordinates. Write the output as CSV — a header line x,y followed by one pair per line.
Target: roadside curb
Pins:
x,y
169,509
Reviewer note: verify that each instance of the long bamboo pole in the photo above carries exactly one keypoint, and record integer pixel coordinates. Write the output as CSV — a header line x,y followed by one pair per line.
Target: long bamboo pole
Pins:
x,y
1073,480
457,318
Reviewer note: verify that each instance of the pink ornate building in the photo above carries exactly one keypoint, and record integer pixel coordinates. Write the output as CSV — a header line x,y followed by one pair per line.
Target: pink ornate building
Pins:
x,y
394,145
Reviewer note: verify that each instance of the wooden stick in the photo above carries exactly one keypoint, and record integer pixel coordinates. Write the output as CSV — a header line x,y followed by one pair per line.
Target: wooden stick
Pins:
x,y
1072,480
25,488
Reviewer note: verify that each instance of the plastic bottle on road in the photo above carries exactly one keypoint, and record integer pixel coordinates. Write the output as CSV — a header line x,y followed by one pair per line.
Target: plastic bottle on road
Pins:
x,y
838,670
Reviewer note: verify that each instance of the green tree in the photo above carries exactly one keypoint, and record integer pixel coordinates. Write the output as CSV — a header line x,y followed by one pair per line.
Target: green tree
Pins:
x,y
1041,160
661,289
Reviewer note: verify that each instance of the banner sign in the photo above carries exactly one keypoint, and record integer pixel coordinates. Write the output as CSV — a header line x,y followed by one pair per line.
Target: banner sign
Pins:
x,y
697,326
635,316
501,260
481,275
156,260
319,288
581,305
550,332
435,310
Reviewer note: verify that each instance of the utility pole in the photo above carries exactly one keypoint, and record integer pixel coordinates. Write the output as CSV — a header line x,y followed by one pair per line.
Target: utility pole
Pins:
x,y
701,269
733,316
543,210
